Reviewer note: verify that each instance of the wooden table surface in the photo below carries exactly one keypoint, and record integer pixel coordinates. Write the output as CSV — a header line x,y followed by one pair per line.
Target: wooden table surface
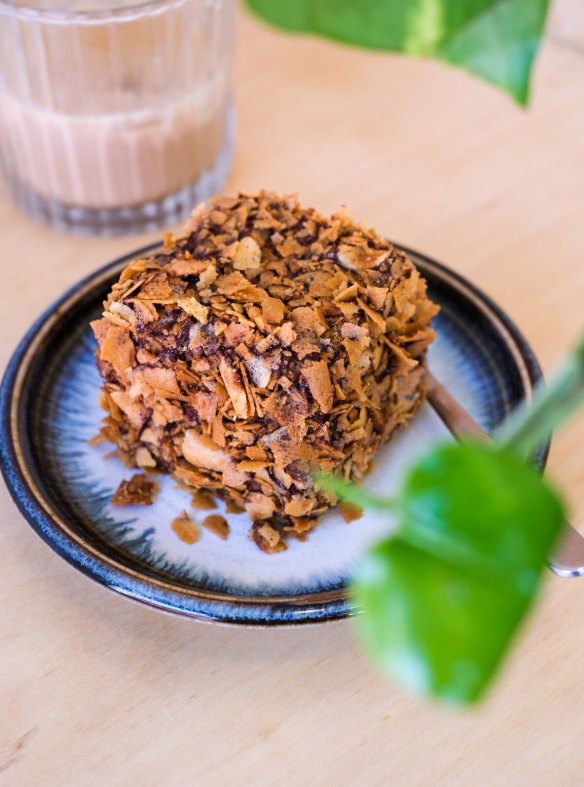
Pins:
x,y
95,690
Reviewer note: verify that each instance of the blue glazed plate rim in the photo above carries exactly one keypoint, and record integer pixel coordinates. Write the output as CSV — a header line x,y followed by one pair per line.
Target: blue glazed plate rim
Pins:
x,y
161,594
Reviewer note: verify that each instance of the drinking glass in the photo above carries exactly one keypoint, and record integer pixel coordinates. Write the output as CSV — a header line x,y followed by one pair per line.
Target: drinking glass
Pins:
x,y
115,117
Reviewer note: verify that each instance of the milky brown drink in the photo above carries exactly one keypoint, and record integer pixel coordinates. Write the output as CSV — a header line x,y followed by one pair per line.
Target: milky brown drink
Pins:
x,y
115,115
116,160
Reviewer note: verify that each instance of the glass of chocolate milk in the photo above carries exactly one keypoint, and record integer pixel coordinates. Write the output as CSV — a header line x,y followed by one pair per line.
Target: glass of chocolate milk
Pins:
x,y
115,117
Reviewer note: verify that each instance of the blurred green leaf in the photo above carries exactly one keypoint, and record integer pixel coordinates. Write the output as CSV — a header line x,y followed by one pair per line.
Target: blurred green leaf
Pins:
x,y
496,40
437,629
499,44
477,505
443,597
444,594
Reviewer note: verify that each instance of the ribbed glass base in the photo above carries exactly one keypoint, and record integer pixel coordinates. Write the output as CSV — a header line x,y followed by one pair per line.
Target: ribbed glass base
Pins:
x,y
146,217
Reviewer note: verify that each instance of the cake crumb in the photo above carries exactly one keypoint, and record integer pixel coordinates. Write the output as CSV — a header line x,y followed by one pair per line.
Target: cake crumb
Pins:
x,y
234,508
138,491
203,501
217,524
184,527
350,511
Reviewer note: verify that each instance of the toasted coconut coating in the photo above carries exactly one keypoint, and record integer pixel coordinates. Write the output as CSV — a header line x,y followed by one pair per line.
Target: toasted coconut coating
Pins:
x,y
264,342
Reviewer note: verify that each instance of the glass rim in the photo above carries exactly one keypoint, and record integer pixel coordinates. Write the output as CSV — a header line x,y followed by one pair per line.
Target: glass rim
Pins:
x,y
88,16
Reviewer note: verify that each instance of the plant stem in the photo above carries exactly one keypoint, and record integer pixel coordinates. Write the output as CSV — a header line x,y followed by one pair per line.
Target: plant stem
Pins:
x,y
533,422
345,490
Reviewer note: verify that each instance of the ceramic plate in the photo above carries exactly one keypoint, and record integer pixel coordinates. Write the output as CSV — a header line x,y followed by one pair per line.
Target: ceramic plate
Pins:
x,y
49,411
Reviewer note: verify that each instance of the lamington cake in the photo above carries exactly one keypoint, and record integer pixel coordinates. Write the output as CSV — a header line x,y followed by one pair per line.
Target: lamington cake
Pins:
x,y
264,342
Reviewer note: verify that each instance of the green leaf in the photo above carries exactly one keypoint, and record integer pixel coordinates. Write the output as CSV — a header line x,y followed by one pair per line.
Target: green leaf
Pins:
x,y
444,596
496,40
500,44
436,629
480,507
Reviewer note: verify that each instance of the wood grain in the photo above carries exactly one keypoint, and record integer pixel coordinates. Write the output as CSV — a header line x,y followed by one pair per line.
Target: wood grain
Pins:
x,y
98,691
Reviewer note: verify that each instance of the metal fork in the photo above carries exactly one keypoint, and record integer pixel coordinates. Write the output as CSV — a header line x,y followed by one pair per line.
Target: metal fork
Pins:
x,y
569,558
